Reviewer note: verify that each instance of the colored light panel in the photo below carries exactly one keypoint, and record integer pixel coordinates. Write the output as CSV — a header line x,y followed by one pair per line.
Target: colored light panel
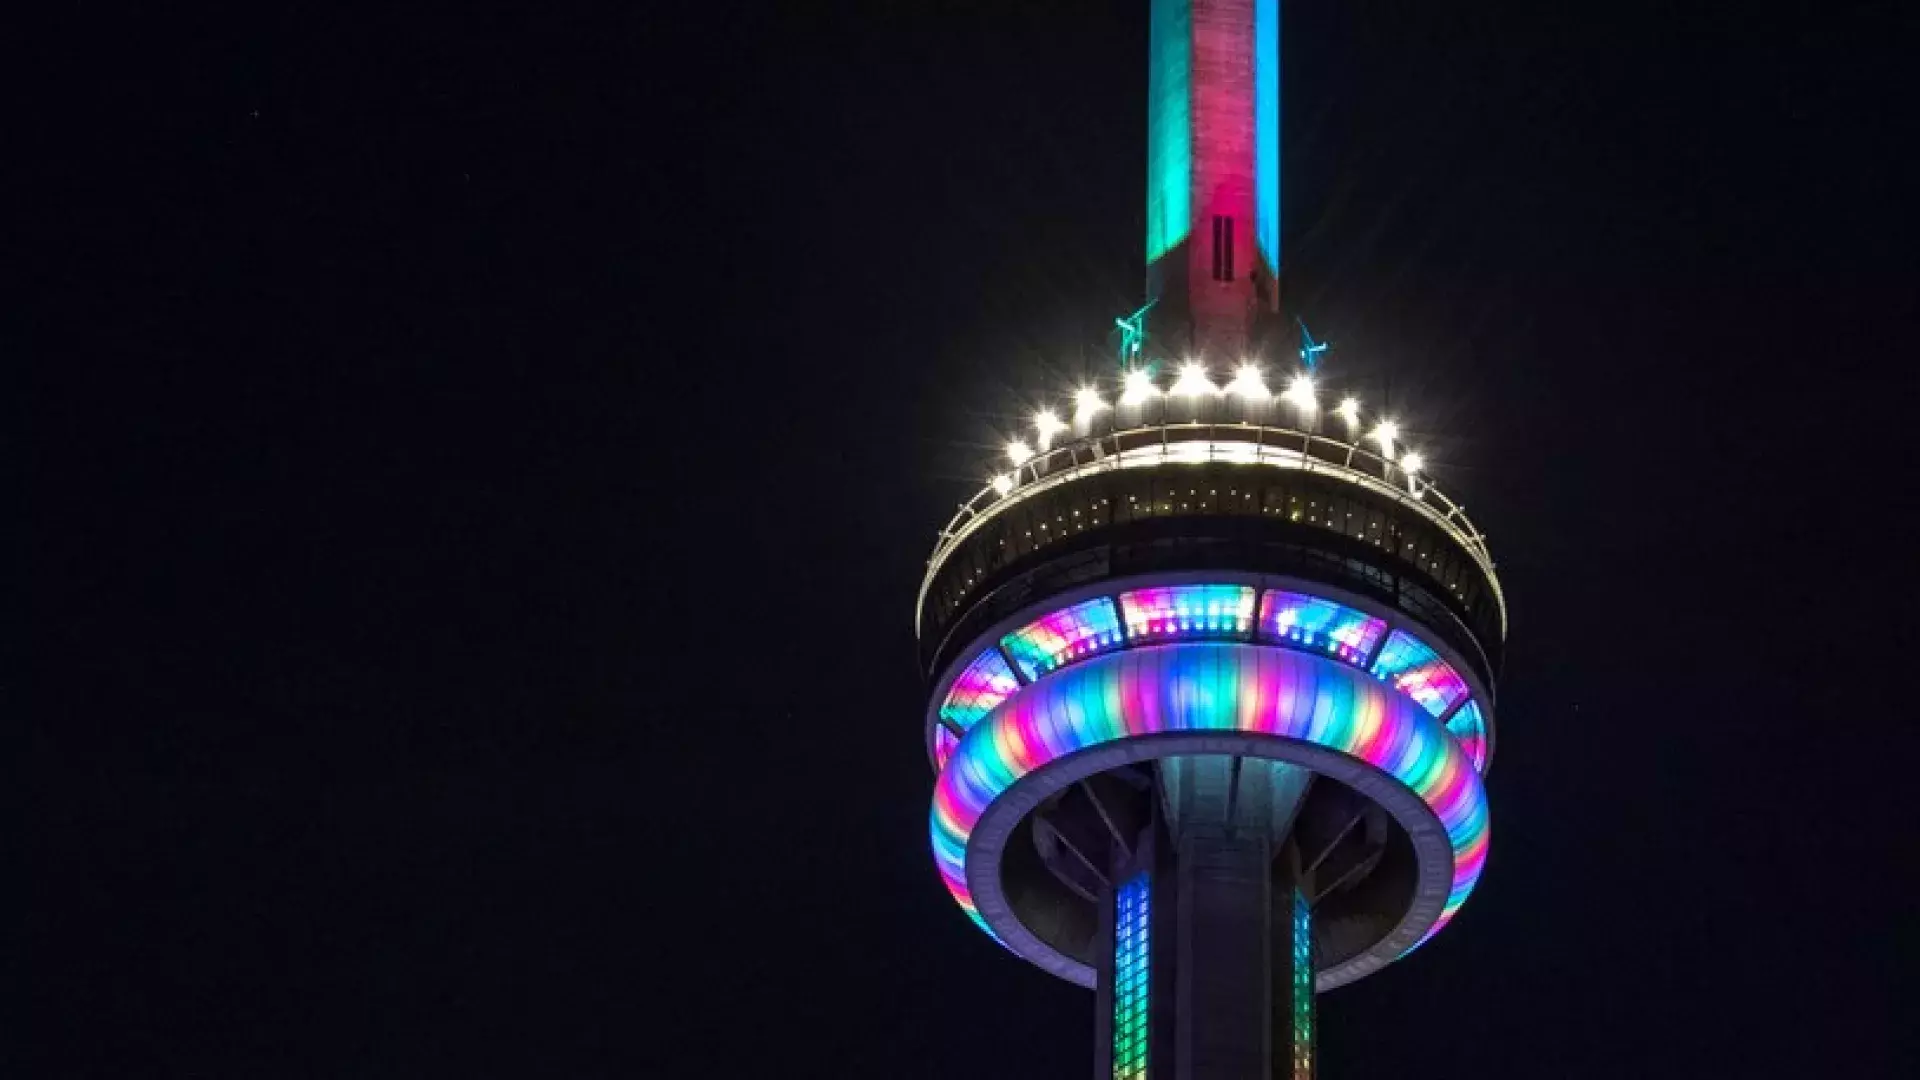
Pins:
x,y
1334,628
986,682
1169,127
1211,686
1072,633
1470,728
944,740
1130,916
1266,126
1302,987
1415,669
1182,612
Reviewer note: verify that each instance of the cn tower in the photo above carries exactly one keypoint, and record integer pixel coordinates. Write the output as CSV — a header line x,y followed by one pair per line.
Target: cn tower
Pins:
x,y
1211,659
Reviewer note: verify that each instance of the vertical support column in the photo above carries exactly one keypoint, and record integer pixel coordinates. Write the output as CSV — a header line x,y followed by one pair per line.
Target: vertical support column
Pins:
x,y
1103,973
1293,971
1207,970
1224,977
1293,985
1132,974
1225,819
1126,996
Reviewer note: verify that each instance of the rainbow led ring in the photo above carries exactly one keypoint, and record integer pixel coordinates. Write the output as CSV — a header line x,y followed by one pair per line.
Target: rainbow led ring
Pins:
x,y
1212,697
1200,611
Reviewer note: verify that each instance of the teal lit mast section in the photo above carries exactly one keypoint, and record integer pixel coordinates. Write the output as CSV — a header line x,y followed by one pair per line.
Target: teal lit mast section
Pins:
x,y
1169,129
1266,119
1213,175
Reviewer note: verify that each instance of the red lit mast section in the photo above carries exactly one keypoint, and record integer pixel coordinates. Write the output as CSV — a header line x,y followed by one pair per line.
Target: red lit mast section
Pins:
x,y
1213,184
1223,260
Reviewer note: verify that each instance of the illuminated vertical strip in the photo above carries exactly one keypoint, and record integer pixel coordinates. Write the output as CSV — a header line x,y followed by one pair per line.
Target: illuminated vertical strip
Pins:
x,y
1169,131
1266,126
1302,987
1130,980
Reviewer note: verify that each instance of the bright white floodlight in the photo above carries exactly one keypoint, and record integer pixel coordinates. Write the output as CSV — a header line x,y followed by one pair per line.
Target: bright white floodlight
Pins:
x,y
1003,483
1138,388
1349,411
1048,425
1248,383
1410,463
1019,452
1086,405
1384,434
1193,381
1300,393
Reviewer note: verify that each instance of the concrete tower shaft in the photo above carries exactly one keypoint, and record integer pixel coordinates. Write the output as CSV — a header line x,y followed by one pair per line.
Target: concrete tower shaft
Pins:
x,y
1213,175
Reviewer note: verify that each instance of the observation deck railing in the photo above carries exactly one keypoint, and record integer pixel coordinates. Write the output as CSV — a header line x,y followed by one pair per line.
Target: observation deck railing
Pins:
x,y
1201,442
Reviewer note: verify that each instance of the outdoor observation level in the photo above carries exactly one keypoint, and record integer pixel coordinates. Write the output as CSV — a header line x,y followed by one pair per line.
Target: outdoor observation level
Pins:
x,y
1211,668
1327,500
1211,615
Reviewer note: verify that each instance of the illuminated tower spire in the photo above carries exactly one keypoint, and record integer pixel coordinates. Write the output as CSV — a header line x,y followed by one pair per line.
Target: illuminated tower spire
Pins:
x,y
1211,670
1213,174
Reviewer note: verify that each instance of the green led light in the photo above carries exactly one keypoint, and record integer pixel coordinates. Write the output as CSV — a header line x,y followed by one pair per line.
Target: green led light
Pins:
x,y
1302,987
1130,980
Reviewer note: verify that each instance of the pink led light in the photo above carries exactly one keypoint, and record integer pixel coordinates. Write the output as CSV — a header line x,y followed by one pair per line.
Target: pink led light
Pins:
x,y
1060,637
1202,687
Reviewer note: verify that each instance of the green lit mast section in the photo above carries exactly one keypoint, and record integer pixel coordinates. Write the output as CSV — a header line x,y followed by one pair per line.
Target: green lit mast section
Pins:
x,y
1213,176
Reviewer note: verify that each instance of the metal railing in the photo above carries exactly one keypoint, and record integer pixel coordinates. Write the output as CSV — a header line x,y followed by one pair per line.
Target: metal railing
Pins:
x,y
1197,443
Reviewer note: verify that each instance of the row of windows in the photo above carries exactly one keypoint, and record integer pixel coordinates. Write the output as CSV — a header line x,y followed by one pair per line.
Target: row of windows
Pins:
x,y
1046,520
1138,557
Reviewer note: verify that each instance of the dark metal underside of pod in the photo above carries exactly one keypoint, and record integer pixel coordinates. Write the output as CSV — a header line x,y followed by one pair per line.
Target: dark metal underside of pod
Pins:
x,y
1356,863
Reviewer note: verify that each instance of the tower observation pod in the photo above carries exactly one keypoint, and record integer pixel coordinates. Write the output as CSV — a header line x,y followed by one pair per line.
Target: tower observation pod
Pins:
x,y
1211,664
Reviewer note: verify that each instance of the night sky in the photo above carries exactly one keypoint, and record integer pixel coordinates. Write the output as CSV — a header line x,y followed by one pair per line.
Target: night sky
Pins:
x,y
478,469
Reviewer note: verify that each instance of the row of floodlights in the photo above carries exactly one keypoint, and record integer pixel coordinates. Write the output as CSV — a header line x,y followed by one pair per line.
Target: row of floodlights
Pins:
x,y
1248,383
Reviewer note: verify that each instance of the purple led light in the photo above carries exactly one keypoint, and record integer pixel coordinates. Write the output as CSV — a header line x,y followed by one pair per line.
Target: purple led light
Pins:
x,y
1211,687
1072,633
986,681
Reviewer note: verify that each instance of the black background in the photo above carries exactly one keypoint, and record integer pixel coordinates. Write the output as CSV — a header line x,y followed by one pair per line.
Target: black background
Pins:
x,y
478,469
